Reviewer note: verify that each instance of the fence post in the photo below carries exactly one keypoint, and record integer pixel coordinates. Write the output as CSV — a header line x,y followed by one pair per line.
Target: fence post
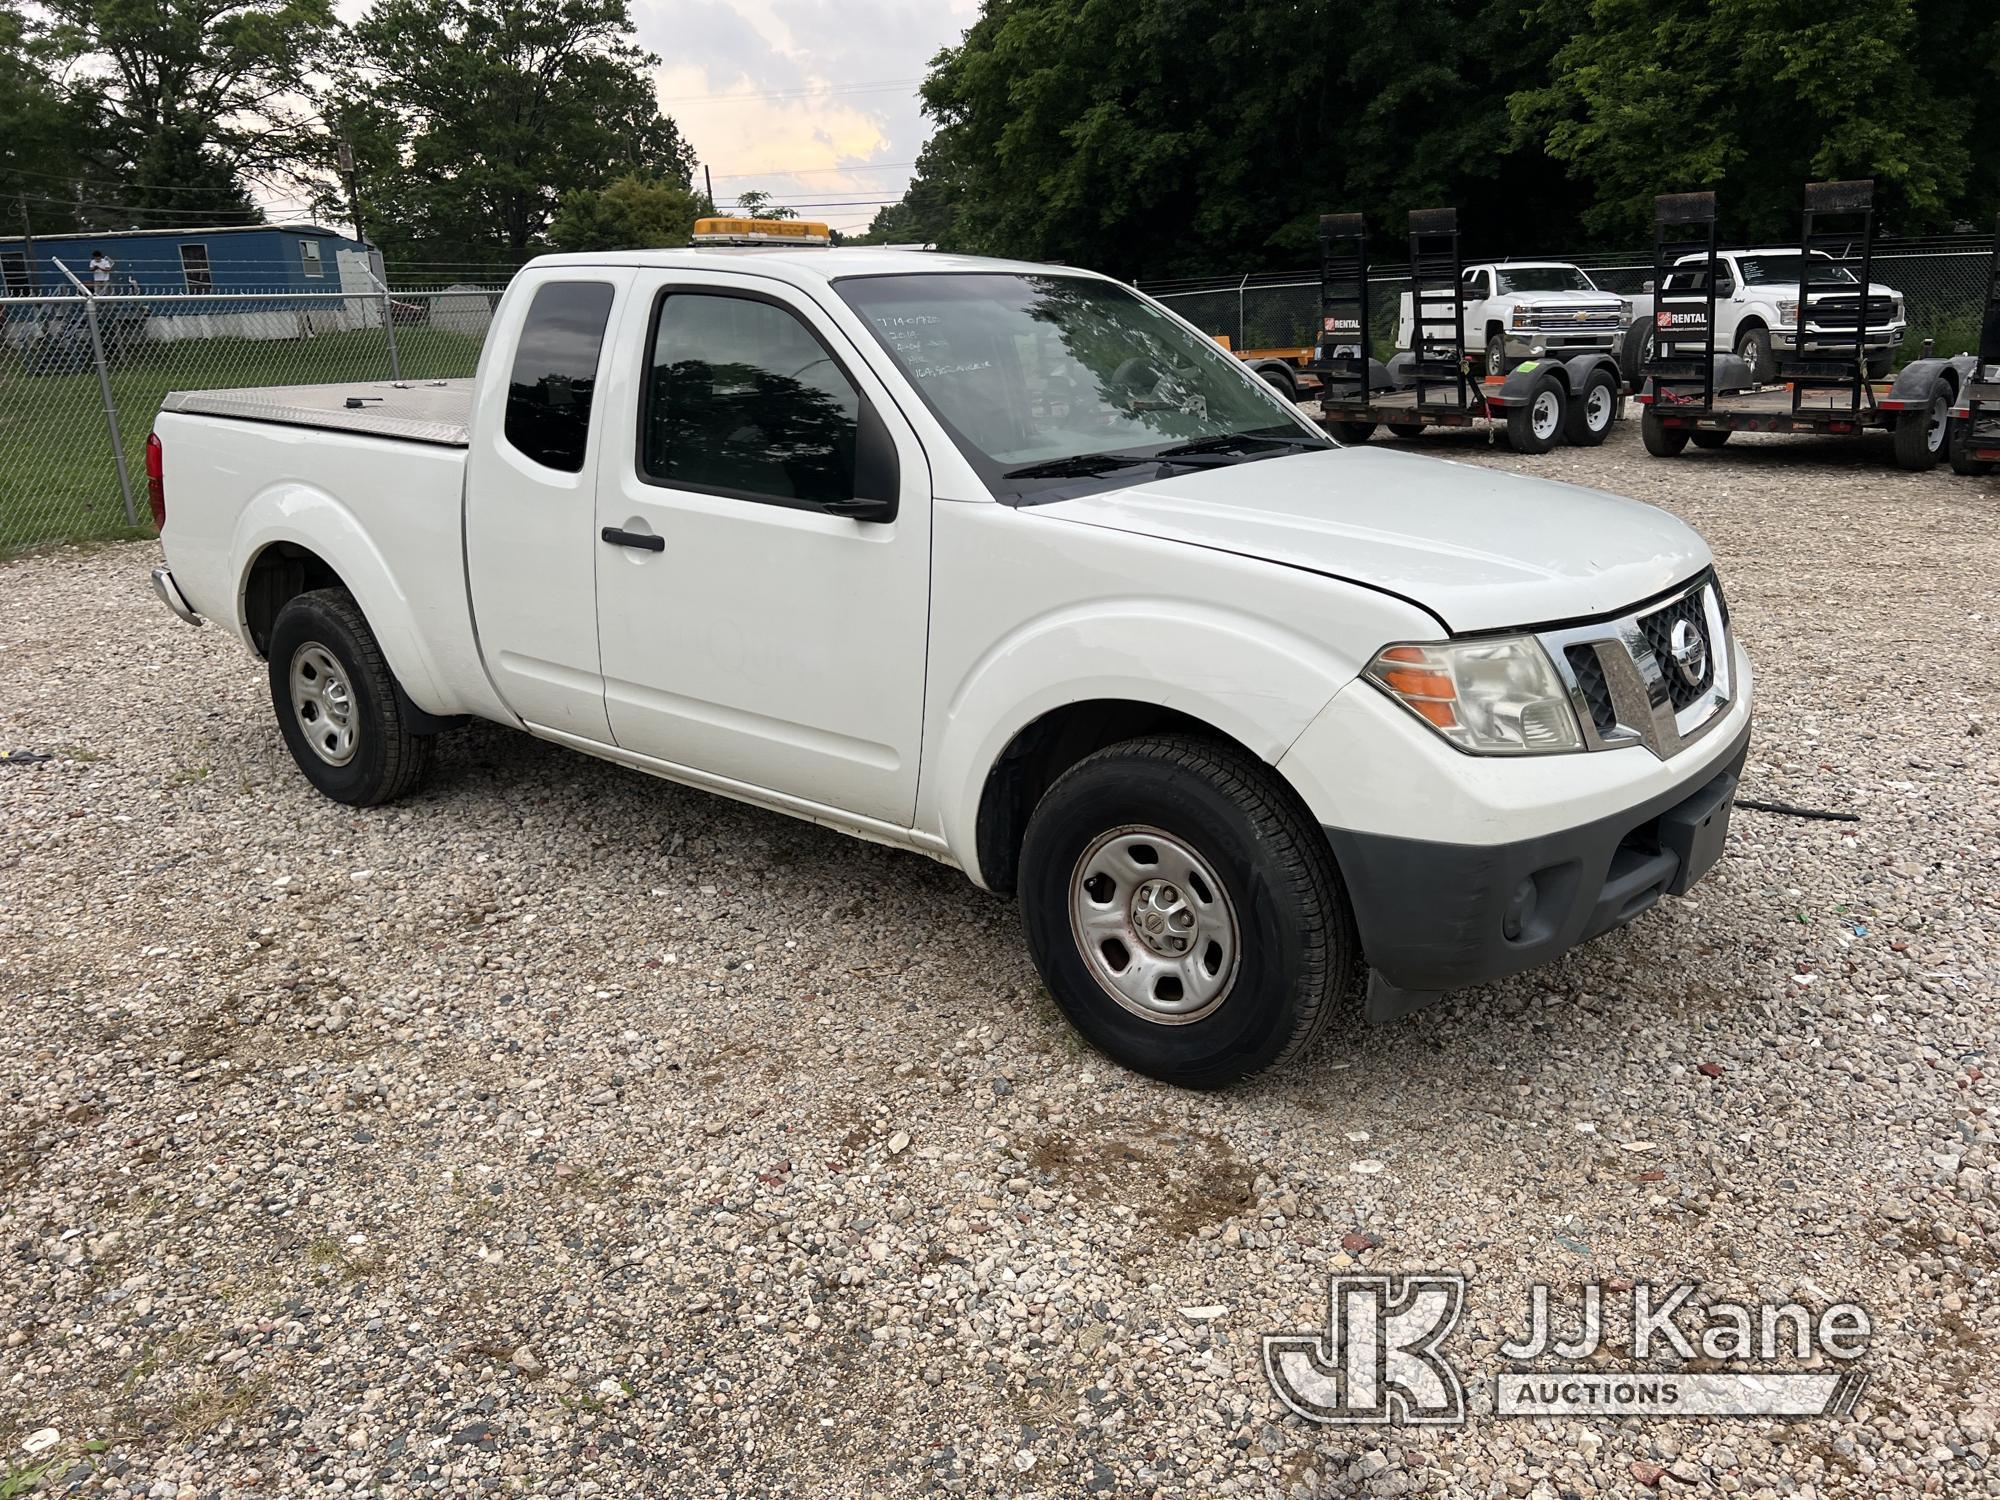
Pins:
x,y
389,327
1239,310
104,392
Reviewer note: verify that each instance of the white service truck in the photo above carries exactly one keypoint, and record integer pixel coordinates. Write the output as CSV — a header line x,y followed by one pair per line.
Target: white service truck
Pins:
x,y
1757,311
1007,565
1520,310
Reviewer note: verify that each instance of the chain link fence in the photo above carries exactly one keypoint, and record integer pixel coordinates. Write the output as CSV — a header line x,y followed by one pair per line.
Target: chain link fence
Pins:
x,y
76,369
1943,283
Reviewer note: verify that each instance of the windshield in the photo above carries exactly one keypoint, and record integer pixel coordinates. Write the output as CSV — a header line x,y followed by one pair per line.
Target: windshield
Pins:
x,y
1768,270
1068,374
1543,279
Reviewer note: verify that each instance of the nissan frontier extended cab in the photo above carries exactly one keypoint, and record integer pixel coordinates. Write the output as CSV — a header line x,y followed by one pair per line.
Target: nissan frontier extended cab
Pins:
x,y
1007,565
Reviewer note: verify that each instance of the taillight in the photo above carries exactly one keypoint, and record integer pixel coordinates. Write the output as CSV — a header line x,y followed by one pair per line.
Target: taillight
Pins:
x,y
156,489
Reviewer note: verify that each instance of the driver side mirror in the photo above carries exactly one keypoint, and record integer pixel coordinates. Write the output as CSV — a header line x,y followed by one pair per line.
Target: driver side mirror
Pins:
x,y
878,476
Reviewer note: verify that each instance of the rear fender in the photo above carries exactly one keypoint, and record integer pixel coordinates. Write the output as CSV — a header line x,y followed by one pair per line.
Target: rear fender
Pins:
x,y
312,519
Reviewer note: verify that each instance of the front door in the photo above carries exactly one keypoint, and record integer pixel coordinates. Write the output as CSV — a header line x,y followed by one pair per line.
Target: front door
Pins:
x,y
768,641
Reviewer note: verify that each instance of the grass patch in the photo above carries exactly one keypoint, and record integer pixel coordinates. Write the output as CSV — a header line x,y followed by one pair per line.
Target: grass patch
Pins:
x,y
22,1481
58,480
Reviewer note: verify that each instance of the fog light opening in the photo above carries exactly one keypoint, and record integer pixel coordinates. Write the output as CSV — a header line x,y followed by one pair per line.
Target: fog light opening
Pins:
x,y
1520,910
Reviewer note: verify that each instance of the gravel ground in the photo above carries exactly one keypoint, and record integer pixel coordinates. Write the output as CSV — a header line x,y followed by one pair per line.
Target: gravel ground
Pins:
x,y
564,1132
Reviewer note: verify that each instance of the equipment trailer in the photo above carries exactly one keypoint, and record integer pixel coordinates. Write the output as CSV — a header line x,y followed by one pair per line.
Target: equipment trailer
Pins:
x,y
1975,421
1693,394
1540,403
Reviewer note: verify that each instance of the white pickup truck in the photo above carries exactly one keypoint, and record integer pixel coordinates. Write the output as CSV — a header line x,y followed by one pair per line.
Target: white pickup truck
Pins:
x,y
1757,311
1009,566
1517,310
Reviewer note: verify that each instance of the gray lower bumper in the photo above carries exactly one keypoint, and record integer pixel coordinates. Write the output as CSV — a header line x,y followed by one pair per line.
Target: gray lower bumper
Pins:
x,y
1436,917
170,595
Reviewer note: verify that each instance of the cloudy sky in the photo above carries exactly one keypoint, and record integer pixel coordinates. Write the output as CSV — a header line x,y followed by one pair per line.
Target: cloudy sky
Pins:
x,y
813,101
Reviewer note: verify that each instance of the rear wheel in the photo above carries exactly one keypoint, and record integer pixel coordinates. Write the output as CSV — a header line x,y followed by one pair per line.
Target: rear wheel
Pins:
x,y
1591,414
1406,430
1353,432
1184,911
1959,441
1920,434
1706,439
1661,440
1536,425
336,702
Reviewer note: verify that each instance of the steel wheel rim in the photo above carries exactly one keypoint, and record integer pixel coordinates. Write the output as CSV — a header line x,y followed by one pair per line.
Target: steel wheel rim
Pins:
x,y
323,704
1154,924
1939,418
1597,408
1543,414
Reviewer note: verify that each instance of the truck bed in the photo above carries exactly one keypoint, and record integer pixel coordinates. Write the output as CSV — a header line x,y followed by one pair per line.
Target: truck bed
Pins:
x,y
415,411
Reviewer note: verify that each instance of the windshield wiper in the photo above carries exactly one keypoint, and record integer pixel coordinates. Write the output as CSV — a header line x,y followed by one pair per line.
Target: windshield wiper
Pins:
x,y
1226,441
1079,465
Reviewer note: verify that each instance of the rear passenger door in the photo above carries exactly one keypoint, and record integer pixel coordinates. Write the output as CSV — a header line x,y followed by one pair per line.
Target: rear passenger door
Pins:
x,y
531,477
751,631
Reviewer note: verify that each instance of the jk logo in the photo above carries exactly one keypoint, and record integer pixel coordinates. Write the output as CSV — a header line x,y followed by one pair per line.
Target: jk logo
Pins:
x,y
1378,1359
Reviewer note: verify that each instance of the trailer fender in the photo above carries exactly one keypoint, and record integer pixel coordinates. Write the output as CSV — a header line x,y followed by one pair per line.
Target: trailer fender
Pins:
x,y
1732,373
1520,385
1400,378
1915,382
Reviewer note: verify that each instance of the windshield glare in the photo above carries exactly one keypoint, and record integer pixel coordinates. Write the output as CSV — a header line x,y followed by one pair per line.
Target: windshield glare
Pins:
x,y
1766,270
1544,279
1026,369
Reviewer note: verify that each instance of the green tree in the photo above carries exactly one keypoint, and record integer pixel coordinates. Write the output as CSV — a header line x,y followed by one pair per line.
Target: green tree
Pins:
x,y
187,97
44,135
758,204
1749,97
632,213
498,109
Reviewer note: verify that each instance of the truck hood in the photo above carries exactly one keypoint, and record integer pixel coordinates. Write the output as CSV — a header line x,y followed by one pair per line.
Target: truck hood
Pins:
x,y
1482,549
1577,300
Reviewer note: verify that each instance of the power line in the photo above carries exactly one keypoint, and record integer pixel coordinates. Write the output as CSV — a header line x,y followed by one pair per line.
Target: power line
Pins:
x,y
811,91
880,166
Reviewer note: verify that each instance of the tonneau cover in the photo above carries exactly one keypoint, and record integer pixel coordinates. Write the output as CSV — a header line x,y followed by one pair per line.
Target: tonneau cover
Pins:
x,y
417,411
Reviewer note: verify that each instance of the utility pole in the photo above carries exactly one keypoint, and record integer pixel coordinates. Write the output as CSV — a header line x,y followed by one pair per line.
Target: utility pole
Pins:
x,y
707,182
28,234
353,193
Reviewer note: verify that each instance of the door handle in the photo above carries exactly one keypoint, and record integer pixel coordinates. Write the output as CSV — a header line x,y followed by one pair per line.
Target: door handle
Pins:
x,y
645,541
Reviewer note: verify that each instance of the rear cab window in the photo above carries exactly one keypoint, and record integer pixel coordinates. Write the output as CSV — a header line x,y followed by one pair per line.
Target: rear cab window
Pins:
x,y
554,377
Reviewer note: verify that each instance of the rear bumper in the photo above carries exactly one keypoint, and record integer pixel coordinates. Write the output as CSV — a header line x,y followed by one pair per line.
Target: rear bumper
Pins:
x,y
1438,916
171,596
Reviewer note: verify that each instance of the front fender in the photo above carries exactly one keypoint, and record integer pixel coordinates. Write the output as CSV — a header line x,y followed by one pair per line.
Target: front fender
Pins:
x,y
311,518
1256,682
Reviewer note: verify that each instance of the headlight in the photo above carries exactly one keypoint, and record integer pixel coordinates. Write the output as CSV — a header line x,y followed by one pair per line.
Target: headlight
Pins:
x,y
1624,309
1521,316
1788,310
1496,696
1897,300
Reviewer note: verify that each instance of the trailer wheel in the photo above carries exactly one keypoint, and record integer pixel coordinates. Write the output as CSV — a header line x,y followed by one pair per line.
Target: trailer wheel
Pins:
x,y
1959,441
1634,350
1280,380
1594,410
1536,425
1920,435
1353,432
1406,430
1661,440
1710,439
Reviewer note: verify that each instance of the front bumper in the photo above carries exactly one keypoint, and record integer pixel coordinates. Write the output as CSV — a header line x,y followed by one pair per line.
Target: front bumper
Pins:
x,y
1438,916
1522,344
1832,341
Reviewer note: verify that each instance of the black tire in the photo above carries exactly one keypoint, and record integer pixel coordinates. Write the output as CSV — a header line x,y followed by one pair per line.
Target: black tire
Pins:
x,y
1295,942
1920,433
1497,362
1661,440
1598,405
385,760
1353,432
1406,431
1960,443
1280,381
1753,346
1879,365
1634,350
1537,424
1709,439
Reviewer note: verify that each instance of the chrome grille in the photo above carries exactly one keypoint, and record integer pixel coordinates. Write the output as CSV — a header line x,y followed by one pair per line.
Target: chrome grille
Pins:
x,y
1589,321
1658,676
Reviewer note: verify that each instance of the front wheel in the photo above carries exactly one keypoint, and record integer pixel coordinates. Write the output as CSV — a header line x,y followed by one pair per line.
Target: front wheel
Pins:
x,y
1754,346
1536,425
1183,910
1592,413
336,702
1497,362
1661,440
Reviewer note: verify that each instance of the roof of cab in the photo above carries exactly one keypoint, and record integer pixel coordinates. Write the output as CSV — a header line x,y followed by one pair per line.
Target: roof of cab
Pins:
x,y
808,263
